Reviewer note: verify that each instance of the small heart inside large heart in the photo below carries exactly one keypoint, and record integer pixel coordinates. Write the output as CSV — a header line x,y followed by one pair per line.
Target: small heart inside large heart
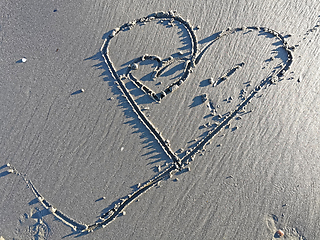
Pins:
x,y
225,75
158,62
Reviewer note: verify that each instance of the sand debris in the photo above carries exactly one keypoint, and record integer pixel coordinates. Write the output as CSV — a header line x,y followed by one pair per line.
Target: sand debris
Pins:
x,y
134,66
204,97
280,233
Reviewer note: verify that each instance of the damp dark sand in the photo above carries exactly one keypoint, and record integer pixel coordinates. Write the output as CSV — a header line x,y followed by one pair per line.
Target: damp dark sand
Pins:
x,y
227,151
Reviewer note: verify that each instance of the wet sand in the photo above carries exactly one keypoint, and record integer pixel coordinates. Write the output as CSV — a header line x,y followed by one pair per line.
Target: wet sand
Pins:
x,y
125,122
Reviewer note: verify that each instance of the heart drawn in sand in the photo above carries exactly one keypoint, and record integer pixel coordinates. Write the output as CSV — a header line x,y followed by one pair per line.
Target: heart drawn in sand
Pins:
x,y
159,67
185,62
190,62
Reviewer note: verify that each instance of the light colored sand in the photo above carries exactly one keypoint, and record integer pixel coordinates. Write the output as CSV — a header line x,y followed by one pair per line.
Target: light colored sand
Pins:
x,y
82,147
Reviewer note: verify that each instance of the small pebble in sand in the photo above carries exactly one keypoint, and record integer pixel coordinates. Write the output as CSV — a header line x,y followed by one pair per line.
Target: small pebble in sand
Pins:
x,y
204,97
134,66
124,213
23,60
112,34
10,170
280,233
52,209
8,165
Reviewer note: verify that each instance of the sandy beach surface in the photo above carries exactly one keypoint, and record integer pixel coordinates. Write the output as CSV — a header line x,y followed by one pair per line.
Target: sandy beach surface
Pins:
x,y
159,119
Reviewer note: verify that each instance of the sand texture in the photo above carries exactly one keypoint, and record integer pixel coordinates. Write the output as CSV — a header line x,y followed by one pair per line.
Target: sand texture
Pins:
x,y
160,120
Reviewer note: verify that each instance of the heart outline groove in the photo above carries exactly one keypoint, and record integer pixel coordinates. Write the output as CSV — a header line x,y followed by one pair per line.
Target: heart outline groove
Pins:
x,y
177,163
